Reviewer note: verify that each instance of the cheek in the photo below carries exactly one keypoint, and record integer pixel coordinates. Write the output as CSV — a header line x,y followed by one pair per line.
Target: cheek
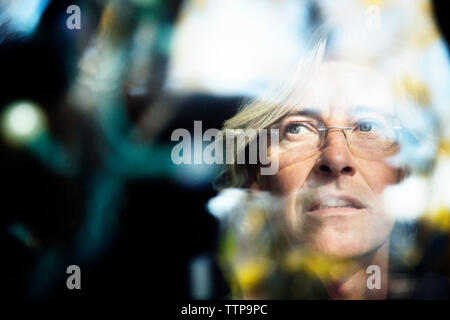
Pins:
x,y
291,176
378,175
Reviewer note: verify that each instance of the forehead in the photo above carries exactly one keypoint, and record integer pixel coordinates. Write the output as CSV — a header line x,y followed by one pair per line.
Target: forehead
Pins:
x,y
338,88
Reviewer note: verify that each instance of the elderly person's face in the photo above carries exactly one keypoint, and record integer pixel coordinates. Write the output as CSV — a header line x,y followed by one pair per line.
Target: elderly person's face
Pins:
x,y
334,188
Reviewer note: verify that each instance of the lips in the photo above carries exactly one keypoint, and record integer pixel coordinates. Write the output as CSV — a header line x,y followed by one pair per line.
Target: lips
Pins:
x,y
334,202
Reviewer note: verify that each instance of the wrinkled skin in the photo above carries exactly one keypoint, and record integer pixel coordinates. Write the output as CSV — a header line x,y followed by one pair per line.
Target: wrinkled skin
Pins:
x,y
336,169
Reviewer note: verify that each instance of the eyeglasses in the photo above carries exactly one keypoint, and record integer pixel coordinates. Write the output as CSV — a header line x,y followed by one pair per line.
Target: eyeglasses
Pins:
x,y
369,139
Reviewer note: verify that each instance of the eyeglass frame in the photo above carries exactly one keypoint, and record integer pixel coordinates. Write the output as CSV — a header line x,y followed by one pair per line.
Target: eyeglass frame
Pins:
x,y
323,137
327,129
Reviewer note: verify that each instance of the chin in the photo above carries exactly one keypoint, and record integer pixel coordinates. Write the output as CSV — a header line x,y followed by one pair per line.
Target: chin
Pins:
x,y
334,243
346,238
349,234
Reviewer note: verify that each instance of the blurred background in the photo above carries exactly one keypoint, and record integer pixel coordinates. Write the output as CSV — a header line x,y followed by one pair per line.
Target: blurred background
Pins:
x,y
88,109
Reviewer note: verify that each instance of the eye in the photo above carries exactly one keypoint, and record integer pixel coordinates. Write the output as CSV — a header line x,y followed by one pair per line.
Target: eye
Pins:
x,y
296,128
365,126
369,126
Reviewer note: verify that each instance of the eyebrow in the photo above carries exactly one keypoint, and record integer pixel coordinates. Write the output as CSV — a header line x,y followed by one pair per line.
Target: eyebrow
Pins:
x,y
363,109
314,113
308,112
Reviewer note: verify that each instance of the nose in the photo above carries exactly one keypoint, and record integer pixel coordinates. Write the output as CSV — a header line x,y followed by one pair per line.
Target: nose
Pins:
x,y
335,159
